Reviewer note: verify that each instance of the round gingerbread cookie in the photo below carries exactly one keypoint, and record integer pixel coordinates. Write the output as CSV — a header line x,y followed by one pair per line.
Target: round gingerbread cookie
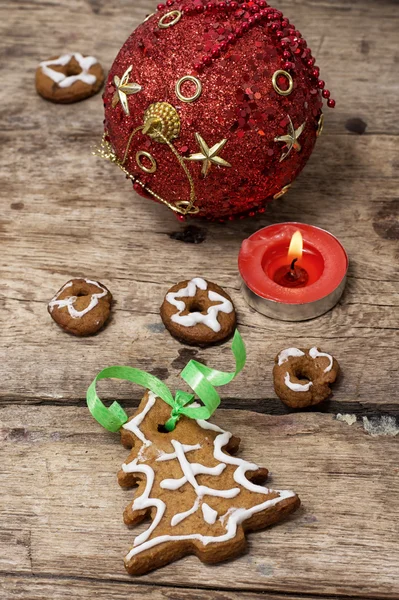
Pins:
x,y
198,312
303,377
69,78
81,306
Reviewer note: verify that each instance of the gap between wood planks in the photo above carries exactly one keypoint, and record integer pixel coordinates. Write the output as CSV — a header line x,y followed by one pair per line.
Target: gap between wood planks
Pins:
x,y
264,406
147,588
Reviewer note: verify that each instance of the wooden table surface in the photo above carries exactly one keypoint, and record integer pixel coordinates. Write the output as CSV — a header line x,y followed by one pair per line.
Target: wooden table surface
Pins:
x,y
66,214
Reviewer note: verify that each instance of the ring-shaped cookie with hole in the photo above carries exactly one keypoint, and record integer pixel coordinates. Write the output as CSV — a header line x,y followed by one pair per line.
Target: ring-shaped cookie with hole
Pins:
x,y
198,312
69,78
302,377
81,306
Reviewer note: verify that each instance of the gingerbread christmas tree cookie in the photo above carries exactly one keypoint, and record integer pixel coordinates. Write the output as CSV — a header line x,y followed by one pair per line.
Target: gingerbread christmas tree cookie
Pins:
x,y
200,498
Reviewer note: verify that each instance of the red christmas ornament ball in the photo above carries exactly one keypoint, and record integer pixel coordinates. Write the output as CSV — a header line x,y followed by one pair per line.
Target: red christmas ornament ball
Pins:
x,y
252,119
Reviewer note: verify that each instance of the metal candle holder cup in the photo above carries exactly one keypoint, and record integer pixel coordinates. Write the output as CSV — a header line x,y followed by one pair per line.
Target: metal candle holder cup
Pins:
x,y
313,300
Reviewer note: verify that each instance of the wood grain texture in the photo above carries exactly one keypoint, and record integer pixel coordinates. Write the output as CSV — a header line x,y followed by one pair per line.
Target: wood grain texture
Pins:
x,y
118,242
38,588
66,214
61,507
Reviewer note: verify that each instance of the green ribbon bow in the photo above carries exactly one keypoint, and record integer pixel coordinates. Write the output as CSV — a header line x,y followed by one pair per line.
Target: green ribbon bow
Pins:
x,y
200,378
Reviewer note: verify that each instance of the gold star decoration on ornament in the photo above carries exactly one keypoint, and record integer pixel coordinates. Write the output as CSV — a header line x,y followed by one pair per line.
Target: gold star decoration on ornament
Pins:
x,y
209,156
124,89
291,139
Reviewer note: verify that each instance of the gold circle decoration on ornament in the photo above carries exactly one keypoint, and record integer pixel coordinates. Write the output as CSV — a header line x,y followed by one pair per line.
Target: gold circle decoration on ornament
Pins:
x,y
320,125
175,15
281,73
152,160
198,88
183,205
161,122
282,192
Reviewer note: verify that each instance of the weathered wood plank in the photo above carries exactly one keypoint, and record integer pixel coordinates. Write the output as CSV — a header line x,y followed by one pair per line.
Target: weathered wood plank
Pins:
x,y
54,367
59,483
68,214
352,42
65,214
48,241
35,588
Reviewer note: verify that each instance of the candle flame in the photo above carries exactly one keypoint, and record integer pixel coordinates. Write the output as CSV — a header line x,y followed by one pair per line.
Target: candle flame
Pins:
x,y
296,246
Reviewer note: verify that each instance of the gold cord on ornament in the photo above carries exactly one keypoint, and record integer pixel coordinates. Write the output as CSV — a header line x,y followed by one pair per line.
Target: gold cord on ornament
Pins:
x,y
189,206
130,141
320,125
282,192
153,126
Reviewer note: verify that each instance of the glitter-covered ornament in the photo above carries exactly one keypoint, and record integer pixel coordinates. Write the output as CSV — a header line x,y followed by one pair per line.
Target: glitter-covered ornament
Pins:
x,y
213,108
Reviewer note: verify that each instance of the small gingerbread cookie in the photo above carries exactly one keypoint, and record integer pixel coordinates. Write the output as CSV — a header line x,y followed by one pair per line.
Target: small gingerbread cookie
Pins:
x,y
198,312
201,499
81,306
303,377
69,78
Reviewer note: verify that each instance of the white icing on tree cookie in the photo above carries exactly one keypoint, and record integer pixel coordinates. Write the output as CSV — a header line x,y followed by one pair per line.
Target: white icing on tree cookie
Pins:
x,y
230,520
172,455
134,424
210,515
314,353
210,319
69,302
84,62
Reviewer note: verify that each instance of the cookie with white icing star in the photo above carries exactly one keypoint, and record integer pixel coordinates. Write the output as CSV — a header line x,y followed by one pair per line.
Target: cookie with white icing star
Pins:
x,y
303,377
201,499
69,78
198,312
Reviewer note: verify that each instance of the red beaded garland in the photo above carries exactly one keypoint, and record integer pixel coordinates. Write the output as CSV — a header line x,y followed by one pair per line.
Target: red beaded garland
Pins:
x,y
234,48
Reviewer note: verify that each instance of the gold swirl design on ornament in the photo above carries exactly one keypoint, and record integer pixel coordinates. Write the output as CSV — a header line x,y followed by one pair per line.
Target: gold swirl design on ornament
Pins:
x,y
282,192
198,89
152,160
185,206
175,15
190,204
105,151
286,92
129,142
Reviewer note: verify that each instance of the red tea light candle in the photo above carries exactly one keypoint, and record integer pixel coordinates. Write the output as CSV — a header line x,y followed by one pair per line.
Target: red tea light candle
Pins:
x,y
292,271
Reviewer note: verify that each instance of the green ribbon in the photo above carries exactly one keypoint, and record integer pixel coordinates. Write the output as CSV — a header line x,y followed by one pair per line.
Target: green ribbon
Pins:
x,y
202,380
